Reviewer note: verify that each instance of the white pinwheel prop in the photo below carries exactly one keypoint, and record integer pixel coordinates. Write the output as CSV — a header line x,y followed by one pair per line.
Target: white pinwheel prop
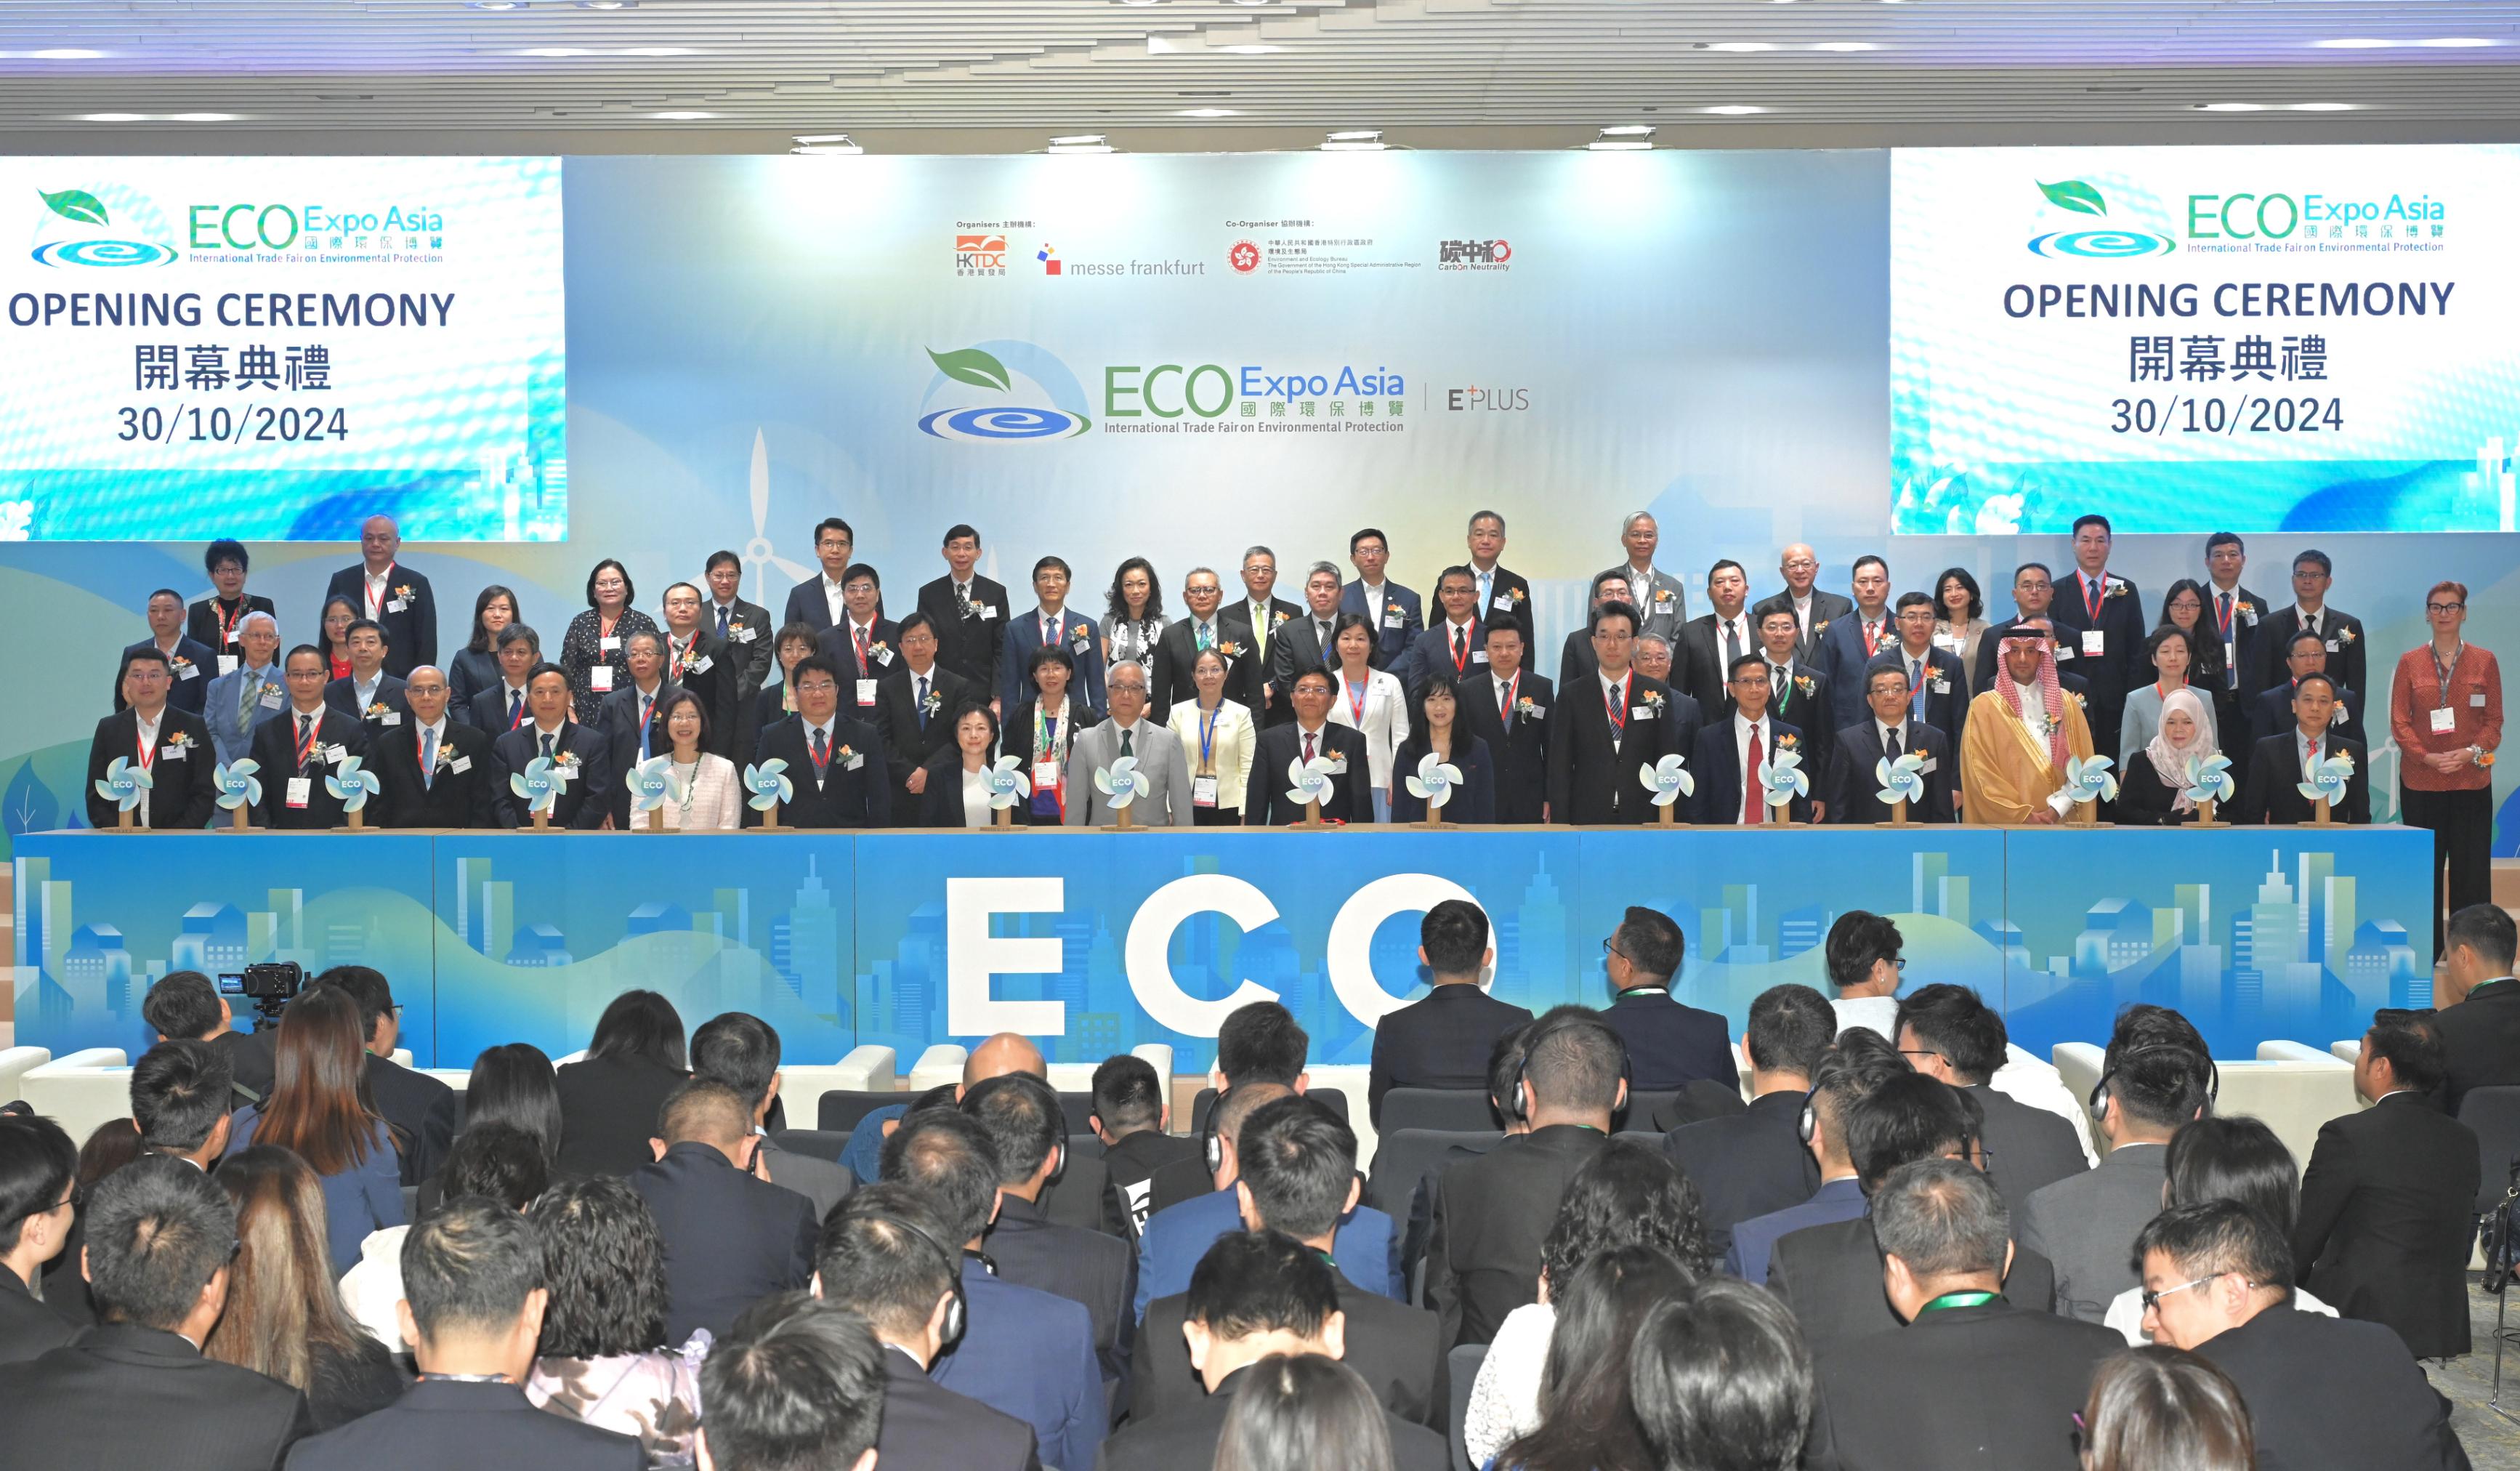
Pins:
x,y
351,784
1782,778
236,784
2089,778
123,783
1434,781
1902,780
2325,780
1120,782
1668,780
536,784
769,785
2207,778
650,782
1312,779
1007,784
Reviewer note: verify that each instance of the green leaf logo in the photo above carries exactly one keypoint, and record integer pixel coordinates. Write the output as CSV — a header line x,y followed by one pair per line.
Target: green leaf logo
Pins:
x,y
2075,195
77,205
973,366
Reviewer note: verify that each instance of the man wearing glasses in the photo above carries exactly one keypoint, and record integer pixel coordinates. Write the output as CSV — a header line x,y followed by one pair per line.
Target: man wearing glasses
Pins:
x,y
1608,725
836,762
1162,770
1670,1046
1947,1031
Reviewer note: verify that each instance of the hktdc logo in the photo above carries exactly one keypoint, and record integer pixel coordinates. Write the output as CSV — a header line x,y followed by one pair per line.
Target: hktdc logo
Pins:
x,y
980,254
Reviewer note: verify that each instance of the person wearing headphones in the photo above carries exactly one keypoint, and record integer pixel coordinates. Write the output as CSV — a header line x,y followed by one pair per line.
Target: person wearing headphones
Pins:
x,y
2156,1075
1845,1076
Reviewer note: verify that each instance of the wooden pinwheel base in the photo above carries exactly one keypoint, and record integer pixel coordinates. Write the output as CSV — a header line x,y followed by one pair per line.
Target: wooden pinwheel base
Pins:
x,y
1898,816
128,821
1121,821
542,824
1312,821
1003,820
655,822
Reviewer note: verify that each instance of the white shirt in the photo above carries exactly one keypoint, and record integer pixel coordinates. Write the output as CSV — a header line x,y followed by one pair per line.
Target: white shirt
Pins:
x,y
1741,728
2308,621
377,591
1739,626
1881,735
833,602
1802,614
1374,603
1619,695
862,635
555,734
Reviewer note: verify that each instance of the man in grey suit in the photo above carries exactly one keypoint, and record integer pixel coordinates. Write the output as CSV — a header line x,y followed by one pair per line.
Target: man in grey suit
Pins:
x,y
2155,1077
1947,1031
1164,794
1661,602
741,1051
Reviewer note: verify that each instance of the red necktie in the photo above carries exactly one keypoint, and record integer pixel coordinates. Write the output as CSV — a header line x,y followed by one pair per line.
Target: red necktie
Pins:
x,y
1308,750
1754,810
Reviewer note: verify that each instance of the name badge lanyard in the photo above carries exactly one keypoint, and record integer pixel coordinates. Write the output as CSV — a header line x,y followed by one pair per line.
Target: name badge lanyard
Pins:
x,y
2095,591
312,743
1513,685
227,625
1208,739
376,595
1045,738
2447,674
1355,692
147,750
1614,698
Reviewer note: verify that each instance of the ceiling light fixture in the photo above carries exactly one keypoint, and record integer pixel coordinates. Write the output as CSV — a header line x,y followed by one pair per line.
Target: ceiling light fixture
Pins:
x,y
200,118
495,4
1732,109
2230,106
682,114
2457,42
1080,143
826,143
1630,137
63,54
1208,112
2321,106
1742,46
1250,50
1844,46
660,51
115,117
1354,141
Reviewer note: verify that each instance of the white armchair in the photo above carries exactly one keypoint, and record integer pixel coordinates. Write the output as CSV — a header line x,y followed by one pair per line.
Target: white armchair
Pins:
x,y
81,1089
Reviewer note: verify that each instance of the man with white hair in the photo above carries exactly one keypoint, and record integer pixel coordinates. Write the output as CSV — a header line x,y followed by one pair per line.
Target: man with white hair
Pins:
x,y
1662,605
2019,736
1162,768
249,694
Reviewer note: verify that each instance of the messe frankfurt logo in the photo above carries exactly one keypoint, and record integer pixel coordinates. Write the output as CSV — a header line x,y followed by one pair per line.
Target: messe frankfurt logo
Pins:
x,y
1048,255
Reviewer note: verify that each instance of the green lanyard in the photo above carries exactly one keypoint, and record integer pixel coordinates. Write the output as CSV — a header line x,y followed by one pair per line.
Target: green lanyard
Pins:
x,y
1959,1300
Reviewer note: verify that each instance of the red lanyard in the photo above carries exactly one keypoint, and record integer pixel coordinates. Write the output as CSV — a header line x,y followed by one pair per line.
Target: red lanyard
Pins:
x,y
1872,639
1615,698
1460,651
148,751
2092,600
313,739
227,625
1512,684
1356,692
377,598
2222,616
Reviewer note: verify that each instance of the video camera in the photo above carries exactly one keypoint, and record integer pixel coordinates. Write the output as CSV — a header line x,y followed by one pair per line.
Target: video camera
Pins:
x,y
270,984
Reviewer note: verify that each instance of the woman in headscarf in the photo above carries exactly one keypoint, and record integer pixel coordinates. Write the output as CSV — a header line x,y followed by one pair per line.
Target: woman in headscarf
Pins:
x,y
2020,734
2151,790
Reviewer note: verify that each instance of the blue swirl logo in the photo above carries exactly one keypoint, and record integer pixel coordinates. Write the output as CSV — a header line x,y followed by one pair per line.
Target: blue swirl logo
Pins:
x,y
2102,245
1003,423
108,253
1004,368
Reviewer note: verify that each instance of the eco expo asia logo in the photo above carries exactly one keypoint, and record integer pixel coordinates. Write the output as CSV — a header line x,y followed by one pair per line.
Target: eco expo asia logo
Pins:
x,y
999,367
77,227
2113,244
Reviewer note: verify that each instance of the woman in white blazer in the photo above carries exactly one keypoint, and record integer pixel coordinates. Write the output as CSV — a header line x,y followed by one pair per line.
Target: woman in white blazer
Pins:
x,y
1217,737
1369,700
701,793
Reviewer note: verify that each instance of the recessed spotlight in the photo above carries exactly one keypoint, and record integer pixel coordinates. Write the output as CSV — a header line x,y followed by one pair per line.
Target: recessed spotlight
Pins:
x,y
1732,109
557,51
66,54
1354,141
1250,50
1742,46
115,117
682,114
2457,42
1080,143
200,118
608,4
1139,2
2321,107
494,4
2230,106
1208,112
1844,46
660,51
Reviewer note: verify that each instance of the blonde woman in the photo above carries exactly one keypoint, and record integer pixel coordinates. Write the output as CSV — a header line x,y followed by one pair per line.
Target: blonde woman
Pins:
x,y
1217,737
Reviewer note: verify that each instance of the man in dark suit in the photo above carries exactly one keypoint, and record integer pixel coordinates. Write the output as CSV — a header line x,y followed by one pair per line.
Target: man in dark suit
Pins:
x,y
1457,643
383,589
1947,1031
1813,610
1130,1116
1395,612
473,1286
1299,1176
501,707
303,743
700,661
918,711
151,735
1730,752
1799,692
741,1051
1026,1131
1499,594
730,1237
436,772
1507,707
1264,799
1304,642
1208,624
2480,1029
629,718
2272,794
1847,1072
969,614
1975,1379
191,665
2388,1205
2272,713
2034,597
1051,622
1576,661
38,1171
1853,765
2102,618
743,627
1938,688
2321,1391
837,764
135,1391
2236,615
1670,1046
1850,643
1755,1162
817,604
1264,612
1490,1213
370,692
2339,633
1611,726
578,753
421,1108
1709,643
864,644
1443,1040
800,1383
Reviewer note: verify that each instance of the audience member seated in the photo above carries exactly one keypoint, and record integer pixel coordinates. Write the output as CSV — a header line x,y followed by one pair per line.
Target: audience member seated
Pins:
x,y
109,1146
884,1257
2163,1406
1670,1046
1491,1213
608,1101
1298,1411
1260,1042
2388,1206
1026,1131
731,1237
2480,1019
1974,1380
741,1051
1075,1199
1024,1351
38,1179
1626,1196
185,1007
1504,1065
1586,1416
491,1159
2155,1076
1946,1032
134,1391
1130,1116
2272,794
1442,1040
1298,1178
1254,1295
1861,953
798,1385
604,1356
1720,1377
318,1109
283,1318
1753,1163
1847,1074
180,1098
2321,1391
2213,1158
511,1083
474,1280
421,1109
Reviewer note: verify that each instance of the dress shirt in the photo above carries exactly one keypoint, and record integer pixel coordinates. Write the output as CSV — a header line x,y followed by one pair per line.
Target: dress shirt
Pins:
x,y
1742,725
1128,736
862,636
148,742
547,738
976,811
1640,582
1313,742
1883,735
1487,587
432,740
2309,620
723,615
2308,746
1508,689
1739,626
512,697
647,710
832,600
365,693
825,729
1374,603
377,592
1260,629
1472,650
1802,616
2223,607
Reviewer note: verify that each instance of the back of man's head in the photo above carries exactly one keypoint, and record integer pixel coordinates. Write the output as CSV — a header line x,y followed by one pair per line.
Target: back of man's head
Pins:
x,y
1261,1043
1001,1054
182,1005
1909,1117
500,1161
1504,1065
1128,1096
1573,1062
2215,1236
2486,929
704,1111
1023,1121
798,1385
1652,944
1454,937
1951,1019
366,985
158,1231
887,1255
741,1051
1941,1218
180,1090
946,1155
1235,1107
1298,1161
2158,1068
1858,939
1789,1030
470,1267
1253,1282
1857,1063
2411,1046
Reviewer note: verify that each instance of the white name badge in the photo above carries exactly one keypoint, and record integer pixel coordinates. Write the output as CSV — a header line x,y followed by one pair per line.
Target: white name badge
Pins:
x,y
599,678
227,663
2445,720
1395,620
856,760
2064,650
459,765
1501,603
236,635
396,605
2094,641
1080,644
562,773
300,788
1479,655
610,643
700,666
173,753
2476,701
1949,642
1932,763
2331,646
1202,791
743,636
189,671
271,697
1641,711
1045,776
389,717
1538,710
884,657
1942,686
985,609
2249,615
866,692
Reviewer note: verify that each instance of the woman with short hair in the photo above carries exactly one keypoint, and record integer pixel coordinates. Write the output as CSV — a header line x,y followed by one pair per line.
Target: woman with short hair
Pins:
x,y
602,1358
2445,711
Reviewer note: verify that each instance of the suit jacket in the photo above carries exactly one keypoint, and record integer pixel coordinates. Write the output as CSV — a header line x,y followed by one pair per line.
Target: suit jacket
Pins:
x,y
1392,1345
1698,660
1831,1277
808,603
2085,1224
1391,640
1440,1040
928,1427
1264,799
451,797
443,1425
753,657
1838,653
713,671
1188,1437
2248,631
1722,784
1746,1166
1432,650
232,727
411,630
838,644
182,796
1945,709
1096,1271
1178,1234
2346,652
1592,781
853,791
1162,769
30,1327
1576,661
2273,793
1295,646
608,1110
1084,640
2272,715
2334,1392
1280,614
906,742
2121,663
1670,1044
1176,657
730,1239
1490,1215
128,1395
1752,1255
202,622
421,1111
2387,1217
342,694
1031,1356
1520,755
1663,607
1852,780
189,673
583,801
275,751
823,1184
617,719
2482,1037
971,647
489,711
1825,607
2028,1149
1995,1387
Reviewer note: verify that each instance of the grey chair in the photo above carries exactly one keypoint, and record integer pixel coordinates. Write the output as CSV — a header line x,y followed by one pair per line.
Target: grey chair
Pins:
x,y
842,1108
821,1143
1079,1109
1402,1160
1650,1138
1458,1108
1462,1370
2494,1114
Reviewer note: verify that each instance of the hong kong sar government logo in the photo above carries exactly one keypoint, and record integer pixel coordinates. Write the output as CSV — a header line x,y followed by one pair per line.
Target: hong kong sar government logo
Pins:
x,y
1244,258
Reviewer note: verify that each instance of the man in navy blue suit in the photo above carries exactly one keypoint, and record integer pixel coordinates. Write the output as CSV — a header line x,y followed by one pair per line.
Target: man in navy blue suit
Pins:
x,y
1729,752
1394,611
1670,1046
1848,643
1458,643
818,604
580,758
2100,616
1846,1075
398,598
190,664
1052,622
1853,767
1938,689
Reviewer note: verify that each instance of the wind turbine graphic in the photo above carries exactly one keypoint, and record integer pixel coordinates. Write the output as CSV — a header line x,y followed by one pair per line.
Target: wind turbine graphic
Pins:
x,y
757,553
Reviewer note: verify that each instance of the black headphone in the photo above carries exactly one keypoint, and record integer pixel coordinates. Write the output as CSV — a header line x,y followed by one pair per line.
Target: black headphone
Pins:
x,y
1514,1106
2099,1099
958,1312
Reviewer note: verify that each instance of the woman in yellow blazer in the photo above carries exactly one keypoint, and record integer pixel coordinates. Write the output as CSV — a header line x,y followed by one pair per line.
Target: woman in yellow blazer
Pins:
x,y
1218,736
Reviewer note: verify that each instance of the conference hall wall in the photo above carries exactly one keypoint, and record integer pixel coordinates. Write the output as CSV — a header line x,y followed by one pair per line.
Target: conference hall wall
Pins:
x,y
1179,356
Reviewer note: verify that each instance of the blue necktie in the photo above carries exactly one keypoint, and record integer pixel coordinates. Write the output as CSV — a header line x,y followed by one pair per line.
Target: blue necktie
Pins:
x,y
923,702
429,760
721,621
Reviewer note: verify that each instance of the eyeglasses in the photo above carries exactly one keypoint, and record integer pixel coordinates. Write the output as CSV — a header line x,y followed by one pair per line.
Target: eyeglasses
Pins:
x,y
1610,946
1918,1052
2443,606
1127,689
2153,1300
818,687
